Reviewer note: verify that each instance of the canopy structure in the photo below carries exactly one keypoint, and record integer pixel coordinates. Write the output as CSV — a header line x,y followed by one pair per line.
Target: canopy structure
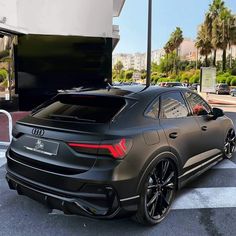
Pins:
x,y
61,44
91,18
117,7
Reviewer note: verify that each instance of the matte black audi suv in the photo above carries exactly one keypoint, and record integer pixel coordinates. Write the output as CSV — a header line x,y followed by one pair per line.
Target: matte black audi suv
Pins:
x,y
109,152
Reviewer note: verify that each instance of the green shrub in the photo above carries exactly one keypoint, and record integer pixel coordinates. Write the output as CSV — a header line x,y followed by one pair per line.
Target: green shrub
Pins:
x,y
186,76
3,75
164,80
194,79
4,83
233,81
154,78
233,72
229,79
144,75
129,74
221,79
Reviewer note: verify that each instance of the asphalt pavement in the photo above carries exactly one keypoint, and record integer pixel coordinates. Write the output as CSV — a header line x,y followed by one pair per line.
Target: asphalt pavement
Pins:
x,y
206,206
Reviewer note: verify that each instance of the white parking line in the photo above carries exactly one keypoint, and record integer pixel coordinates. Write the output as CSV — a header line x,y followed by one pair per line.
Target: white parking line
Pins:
x,y
2,157
198,198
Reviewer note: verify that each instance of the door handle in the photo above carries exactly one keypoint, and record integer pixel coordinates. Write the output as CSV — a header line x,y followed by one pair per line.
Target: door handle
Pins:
x,y
204,128
173,135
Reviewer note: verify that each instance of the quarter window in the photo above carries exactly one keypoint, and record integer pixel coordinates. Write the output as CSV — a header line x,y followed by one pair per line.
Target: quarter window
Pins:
x,y
198,105
173,106
153,110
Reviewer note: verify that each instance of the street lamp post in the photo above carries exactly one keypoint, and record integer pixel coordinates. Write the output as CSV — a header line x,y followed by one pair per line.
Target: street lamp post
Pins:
x,y
149,43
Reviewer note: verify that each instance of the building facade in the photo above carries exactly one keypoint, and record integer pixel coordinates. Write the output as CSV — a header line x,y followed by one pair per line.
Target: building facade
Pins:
x,y
61,44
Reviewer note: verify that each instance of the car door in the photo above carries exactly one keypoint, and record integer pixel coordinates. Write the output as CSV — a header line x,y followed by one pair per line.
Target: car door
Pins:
x,y
181,129
212,137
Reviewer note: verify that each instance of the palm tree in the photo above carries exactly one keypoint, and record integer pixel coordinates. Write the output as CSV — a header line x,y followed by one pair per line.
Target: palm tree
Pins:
x,y
168,49
232,36
215,10
221,33
176,38
118,67
203,42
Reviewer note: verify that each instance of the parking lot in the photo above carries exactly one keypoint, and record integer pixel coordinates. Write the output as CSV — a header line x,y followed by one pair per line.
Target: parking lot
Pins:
x,y
207,206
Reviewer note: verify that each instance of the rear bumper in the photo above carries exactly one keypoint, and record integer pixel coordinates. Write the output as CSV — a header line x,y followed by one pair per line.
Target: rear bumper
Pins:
x,y
98,199
223,92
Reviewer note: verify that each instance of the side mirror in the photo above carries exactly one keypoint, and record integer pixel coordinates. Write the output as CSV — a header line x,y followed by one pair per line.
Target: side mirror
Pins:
x,y
217,112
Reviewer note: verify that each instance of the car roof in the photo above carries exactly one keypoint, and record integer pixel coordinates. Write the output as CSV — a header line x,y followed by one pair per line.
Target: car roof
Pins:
x,y
135,92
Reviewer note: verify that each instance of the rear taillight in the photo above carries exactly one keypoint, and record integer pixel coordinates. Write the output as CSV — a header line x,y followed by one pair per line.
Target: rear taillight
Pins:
x,y
117,149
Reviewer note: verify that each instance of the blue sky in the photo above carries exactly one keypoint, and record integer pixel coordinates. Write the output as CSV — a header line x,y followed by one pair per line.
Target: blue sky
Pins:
x,y
167,14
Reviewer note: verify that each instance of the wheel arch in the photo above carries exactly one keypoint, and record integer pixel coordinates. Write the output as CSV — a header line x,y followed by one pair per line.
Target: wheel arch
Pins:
x,y
152,161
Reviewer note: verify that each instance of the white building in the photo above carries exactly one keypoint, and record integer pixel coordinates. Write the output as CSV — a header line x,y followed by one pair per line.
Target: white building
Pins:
x,y
157,55
229,51
187,50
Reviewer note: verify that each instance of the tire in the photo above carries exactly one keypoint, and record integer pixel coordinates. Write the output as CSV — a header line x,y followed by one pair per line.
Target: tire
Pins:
x,y
158,193
229,144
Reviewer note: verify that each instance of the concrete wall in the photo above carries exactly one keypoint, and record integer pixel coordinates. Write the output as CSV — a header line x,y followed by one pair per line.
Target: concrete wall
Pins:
x,y
8,9
70,17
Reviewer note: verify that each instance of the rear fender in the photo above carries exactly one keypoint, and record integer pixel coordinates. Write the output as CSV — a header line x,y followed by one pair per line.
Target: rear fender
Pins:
x,y
151,164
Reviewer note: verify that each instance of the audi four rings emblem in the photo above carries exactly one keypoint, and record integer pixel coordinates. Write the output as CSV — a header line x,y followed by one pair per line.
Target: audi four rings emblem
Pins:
x,y
38,132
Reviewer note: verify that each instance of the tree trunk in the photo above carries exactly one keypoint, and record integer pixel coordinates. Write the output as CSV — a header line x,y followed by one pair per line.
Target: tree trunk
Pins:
x,y
167,65
206,60
224,60
174,65
214,58
176,61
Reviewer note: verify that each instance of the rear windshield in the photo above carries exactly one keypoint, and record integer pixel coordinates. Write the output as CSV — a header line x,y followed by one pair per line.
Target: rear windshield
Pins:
x,y
224,86
77,108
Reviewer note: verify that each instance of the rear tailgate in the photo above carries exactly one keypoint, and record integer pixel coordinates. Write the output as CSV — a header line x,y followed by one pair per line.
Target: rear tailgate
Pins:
x,y
41,140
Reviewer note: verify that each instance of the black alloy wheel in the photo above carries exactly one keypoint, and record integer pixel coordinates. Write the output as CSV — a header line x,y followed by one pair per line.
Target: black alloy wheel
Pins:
x,y
158,193
229,145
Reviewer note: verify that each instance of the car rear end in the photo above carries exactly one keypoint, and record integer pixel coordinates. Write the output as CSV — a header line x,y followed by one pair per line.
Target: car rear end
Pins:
x,y
60,156
223,89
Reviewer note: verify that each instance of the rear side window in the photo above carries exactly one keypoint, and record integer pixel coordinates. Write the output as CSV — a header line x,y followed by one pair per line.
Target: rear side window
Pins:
x,y
173,106
224,86
77,108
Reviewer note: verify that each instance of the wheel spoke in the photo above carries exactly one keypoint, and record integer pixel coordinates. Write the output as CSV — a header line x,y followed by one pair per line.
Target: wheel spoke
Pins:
x,y
152,199
226,148
155,177
169,186
153,209
172,174
164,200
164,168
152,186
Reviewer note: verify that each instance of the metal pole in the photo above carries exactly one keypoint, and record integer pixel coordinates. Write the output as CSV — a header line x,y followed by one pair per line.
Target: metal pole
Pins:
x,y
149,43
9,127
197,60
